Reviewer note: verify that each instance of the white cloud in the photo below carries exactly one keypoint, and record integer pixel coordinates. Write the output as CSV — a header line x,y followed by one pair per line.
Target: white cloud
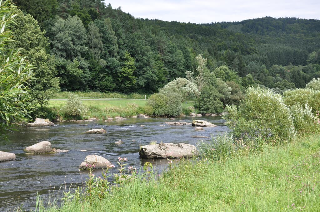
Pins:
x,y
207,11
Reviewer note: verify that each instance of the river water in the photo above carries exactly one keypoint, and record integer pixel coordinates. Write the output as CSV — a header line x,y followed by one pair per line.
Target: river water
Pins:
x,y
49,176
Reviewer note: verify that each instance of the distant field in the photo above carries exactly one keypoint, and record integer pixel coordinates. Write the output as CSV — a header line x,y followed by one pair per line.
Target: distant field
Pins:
x,y
101,103
104,108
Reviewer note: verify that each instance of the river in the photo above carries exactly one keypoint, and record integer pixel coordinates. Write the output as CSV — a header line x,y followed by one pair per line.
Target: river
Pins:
x,y
49,176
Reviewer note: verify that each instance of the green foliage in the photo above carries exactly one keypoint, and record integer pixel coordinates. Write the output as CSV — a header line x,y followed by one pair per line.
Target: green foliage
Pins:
x,y
15,74
32,43
73,109
305,122
69,38
41,10
314,84
165,104
262,113
214,92
303,97
119,53
183,87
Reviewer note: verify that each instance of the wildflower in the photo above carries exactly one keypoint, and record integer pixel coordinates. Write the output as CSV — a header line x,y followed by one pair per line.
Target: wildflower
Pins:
x,y
111,166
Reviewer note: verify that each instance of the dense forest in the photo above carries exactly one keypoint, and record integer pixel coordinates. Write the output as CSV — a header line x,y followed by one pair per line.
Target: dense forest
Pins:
x,y
93,46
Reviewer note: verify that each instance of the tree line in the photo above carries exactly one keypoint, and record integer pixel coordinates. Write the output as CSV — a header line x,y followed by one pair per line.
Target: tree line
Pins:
x,y
86,45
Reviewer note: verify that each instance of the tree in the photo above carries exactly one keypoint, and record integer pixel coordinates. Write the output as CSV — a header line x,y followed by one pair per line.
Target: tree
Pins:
x,y
32,43
15,73
69,39
126,79
182,87
41,10
69,45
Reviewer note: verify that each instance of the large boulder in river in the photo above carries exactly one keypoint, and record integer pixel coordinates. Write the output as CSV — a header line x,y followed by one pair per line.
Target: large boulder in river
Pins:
x,y
7,156
95,162
96,131
40,123
202,123
42,147
168,150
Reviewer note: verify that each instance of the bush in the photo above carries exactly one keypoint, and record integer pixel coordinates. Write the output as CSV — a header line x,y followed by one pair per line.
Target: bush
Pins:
x,y
165,105
303,118
262,113
303,97
183,87
209,101
46,113
74,109
314,84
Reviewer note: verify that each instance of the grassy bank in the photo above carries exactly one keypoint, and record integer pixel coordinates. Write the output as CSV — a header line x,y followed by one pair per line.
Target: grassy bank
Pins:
x,y
281,178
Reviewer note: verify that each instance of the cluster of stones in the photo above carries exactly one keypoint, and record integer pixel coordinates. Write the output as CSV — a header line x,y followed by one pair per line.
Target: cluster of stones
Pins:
x,y
153,151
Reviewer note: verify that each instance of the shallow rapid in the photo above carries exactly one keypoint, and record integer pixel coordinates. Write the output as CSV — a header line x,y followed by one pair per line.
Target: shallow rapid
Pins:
x,y
50,176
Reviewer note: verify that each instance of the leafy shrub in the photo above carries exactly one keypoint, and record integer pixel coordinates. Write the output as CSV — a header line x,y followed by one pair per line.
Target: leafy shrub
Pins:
x,y
74,109
165,105
46,113
262,113
303,118
185,88
209,101
303,97
314,84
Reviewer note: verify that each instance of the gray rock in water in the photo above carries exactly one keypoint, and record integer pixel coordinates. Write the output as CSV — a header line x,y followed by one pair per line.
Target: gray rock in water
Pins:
x,y
176,123
95,162
40,148
202,123
96,131
7,156
168,150
199,128
142,116
40,123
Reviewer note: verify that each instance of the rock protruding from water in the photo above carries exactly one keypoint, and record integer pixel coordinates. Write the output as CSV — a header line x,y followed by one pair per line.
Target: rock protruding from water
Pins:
x,y
168,150
96,131
142,116
202,123
40,123
95,162
176,123
7,156
42,147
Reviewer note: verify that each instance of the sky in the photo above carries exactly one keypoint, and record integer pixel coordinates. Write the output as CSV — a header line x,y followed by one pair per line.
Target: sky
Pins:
x,y
211,11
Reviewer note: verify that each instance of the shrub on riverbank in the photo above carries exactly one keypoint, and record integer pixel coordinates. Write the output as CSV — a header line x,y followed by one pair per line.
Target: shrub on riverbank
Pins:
x,y
262,113
165,104
73,109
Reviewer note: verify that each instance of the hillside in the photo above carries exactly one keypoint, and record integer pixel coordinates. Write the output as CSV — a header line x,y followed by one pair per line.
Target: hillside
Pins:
x,y
97,47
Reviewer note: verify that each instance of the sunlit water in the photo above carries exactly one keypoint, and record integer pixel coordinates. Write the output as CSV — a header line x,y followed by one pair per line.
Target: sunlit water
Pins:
x,y
50,176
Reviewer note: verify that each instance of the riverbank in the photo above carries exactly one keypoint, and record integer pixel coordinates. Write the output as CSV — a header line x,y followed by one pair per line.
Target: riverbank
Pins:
x,y
279,178
104,108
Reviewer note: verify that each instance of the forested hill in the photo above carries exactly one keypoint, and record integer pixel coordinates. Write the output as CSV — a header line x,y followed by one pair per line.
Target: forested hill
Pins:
x,y
97,47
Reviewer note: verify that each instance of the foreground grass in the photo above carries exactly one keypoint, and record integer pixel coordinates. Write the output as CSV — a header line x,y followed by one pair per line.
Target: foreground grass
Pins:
x,y
281,178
